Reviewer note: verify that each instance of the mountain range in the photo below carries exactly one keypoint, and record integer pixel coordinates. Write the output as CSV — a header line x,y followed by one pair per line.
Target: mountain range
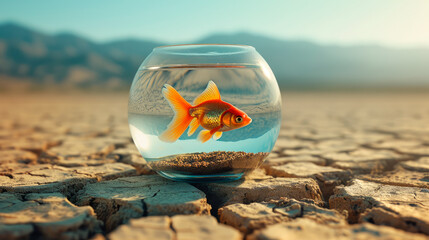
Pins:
x,y
32,58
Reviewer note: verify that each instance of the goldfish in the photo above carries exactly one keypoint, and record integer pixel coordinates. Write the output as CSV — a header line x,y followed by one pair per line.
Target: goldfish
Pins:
x,y
208,111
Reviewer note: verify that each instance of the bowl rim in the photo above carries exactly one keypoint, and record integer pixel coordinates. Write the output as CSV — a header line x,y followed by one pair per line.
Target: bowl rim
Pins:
x,y
204,44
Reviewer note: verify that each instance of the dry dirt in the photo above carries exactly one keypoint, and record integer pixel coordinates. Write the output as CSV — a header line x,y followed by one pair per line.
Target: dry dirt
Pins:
x,y
346,166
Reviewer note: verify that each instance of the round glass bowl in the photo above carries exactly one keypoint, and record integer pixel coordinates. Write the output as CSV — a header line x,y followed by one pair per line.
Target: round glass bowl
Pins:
x,y
204,112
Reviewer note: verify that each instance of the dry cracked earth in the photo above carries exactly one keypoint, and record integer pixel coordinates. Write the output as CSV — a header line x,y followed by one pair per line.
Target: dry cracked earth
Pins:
x,y
345,166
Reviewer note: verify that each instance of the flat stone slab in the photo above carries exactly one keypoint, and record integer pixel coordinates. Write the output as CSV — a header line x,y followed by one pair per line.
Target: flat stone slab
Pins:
x,y
280,160
121,130
248,217
288,143
179,227
130,155
253,216
327,177
44,216
202,227
324,147
107,171
394,144
400,207
305,151
77,162
368,137
421,165
35,146
16,132
416,151
43,178
17,156
51,178
118,200
89,148
364,160
340,145
145,228
123,154
7,123
261,188
400,177
305,170
87,130
307,229
320,136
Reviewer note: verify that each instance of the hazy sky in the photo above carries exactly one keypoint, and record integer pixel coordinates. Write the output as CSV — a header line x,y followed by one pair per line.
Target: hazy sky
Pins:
x,y
400,23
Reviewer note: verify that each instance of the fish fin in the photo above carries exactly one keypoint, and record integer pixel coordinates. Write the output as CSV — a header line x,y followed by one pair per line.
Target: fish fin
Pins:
x,y
204,136
217,135
181,118
193,126
210,93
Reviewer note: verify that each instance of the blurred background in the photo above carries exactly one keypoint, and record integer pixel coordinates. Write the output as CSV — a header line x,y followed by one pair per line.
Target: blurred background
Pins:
x,y
310,45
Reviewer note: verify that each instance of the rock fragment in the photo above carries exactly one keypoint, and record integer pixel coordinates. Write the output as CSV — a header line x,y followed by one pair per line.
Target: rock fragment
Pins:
x,y
77,162
400,207
400,177
304,151
260,188
87,130
365,160
393,144
154,227
320,136
416,151
16,132
35,146
17,156
118,200
130,155
51,178
89,148
275,161
308,229
107,171
202,227
421,165
310,209
179,227
249,217
289,143
367,137
327,177
341,145
43,178
46,216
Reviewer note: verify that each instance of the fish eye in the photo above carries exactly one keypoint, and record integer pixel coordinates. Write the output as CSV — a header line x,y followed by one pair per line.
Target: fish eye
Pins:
x,y
239,119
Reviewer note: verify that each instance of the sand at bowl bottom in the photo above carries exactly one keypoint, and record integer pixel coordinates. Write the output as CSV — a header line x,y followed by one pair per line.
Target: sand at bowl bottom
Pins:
x,y
209,163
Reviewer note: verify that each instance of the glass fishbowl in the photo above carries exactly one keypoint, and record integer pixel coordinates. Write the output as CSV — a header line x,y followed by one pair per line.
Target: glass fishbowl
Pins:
x,y
204,112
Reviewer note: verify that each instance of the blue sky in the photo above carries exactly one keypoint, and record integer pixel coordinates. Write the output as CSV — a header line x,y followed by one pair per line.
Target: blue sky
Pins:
x,y
397,23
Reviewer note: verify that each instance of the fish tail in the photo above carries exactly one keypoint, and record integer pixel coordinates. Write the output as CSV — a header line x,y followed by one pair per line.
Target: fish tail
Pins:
x,y
181,119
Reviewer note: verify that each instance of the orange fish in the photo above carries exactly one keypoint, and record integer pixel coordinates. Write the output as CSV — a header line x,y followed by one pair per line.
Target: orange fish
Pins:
x,y
207,110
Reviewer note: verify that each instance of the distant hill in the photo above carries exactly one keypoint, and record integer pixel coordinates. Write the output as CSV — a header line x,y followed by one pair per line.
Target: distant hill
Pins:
x,y
305,64
35,58
66,59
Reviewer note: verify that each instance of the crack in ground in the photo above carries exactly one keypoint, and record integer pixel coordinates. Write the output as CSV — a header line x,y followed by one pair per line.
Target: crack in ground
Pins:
x,y
144,205
37,175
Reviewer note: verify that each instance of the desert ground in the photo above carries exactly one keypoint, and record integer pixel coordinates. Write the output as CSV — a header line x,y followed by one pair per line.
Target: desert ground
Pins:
x,y
347,165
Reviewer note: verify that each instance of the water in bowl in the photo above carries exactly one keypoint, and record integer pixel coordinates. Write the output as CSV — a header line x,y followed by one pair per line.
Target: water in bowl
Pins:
x,y
250,88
